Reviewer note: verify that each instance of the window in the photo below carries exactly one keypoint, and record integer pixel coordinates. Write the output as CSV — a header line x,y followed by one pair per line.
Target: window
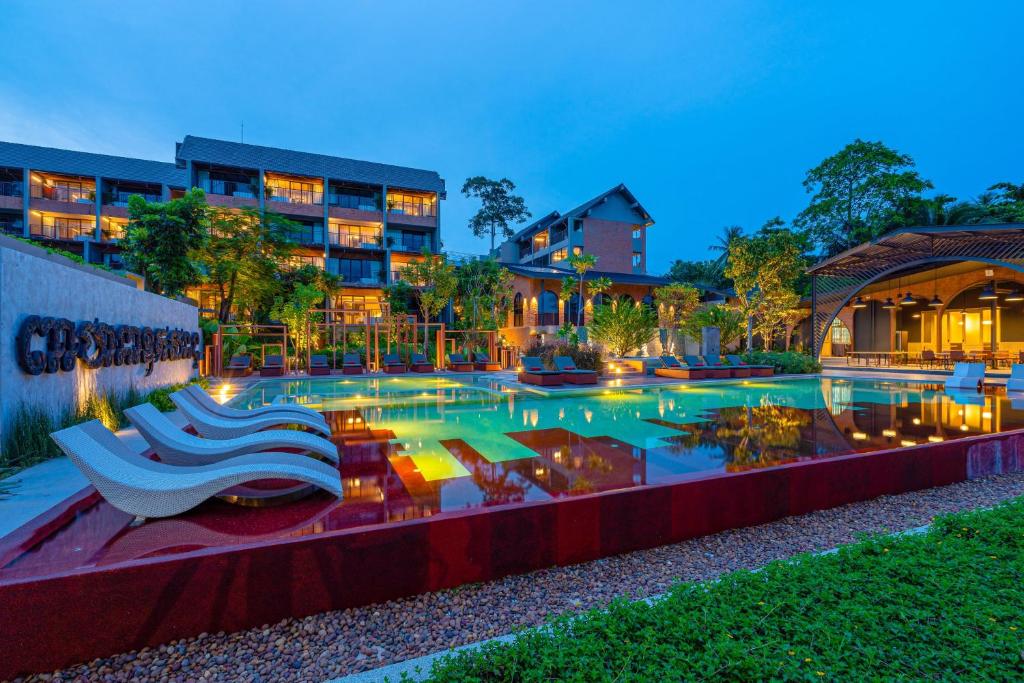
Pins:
x,y
60,190
637,233
412,204
839,333
540,241
354,197
358,308
412,241
293,191
60,228
355,236
517,310
547,311
637,259
230,182
559,255
307,233
577,224
113,228
602,300
572,309
300,261
355,270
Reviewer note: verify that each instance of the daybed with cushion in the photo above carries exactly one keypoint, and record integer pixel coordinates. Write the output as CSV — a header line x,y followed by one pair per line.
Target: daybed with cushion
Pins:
x,y
755,370
318,365
710,371
737,370
674,370
572,375
239,366
482,361
534,373
273,366
420,363
392,364
144,488
966,376
351,364
458,363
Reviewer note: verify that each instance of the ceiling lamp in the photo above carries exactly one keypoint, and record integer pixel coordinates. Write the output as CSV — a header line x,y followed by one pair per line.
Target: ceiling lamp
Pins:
x,y
888,305
988,293
936,302
1014,295
908,300
859,303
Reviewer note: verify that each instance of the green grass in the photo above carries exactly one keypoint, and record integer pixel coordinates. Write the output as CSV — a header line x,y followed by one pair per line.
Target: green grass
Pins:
x,y
944,605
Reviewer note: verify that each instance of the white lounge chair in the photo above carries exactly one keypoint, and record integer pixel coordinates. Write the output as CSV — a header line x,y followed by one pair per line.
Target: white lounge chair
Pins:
x,y
283,409
966,376
1016,381
145,488
214,427
177,447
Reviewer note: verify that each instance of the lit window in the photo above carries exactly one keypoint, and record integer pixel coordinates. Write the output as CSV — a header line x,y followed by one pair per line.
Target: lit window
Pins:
x,y
559,255
637,257
840,333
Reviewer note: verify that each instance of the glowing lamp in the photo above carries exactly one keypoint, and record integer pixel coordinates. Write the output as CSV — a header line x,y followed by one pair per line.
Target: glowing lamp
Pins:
x,y
859,303
908,300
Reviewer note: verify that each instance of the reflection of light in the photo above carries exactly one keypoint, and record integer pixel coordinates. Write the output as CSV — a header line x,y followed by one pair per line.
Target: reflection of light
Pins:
x,y
588,414
539,471
859,436
907,443
916,420
964,428
934,438
889,432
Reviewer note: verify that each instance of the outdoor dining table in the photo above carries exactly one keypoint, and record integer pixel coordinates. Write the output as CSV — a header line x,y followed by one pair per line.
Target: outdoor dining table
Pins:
x,y
878,358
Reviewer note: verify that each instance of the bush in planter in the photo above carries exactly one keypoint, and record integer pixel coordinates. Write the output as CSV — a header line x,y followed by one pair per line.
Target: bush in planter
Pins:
x,y
785,362
585,357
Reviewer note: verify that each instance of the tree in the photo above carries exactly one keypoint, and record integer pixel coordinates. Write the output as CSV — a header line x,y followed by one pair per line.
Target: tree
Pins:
x,y
729,321
498,207
483,294
766,270
729,233
702,274
295,312
242,256
674,302
623,329
858,194
1006,202
581,263
161,237
435,280
396,295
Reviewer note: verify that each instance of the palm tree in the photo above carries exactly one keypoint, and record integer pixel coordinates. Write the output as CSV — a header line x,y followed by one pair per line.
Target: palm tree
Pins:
x,y
729,233
581,263
1007,193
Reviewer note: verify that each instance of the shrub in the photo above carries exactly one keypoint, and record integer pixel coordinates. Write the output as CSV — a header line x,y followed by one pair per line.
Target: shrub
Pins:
x,y
785,362
585,357
623,327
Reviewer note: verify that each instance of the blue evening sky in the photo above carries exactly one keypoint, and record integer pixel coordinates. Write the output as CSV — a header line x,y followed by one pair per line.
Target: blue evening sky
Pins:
x,y
710,112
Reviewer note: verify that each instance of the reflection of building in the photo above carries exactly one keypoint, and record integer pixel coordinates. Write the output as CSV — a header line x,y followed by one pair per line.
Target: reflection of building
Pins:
x,y
929,294
359,220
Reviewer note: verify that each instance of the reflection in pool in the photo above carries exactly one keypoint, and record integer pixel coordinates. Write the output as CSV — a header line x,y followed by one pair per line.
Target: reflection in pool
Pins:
x,y
418,447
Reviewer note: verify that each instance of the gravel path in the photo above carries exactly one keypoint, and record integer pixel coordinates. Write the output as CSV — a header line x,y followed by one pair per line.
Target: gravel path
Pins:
x,y
338,643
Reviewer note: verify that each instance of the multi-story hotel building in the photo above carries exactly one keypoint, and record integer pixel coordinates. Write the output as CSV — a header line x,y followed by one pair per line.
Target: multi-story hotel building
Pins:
x,y
361,221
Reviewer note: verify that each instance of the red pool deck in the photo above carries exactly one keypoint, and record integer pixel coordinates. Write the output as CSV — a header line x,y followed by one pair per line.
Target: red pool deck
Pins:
x,y
216,571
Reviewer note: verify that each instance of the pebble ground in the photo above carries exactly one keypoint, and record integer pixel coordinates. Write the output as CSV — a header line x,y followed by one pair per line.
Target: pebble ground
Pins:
x,y
348,641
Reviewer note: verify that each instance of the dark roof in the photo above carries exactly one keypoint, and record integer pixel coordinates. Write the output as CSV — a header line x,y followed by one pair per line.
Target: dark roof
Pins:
x,y
53,160
584,208
306,163
538,224
550,272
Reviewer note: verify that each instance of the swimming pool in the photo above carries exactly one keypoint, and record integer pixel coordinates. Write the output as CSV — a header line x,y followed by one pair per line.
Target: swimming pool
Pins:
x,y
414,448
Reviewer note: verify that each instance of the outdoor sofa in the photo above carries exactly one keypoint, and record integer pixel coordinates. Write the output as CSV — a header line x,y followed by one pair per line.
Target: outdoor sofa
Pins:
x,y
458,363
674,370
571,374
273,366
420,363
482,361
352,364
318,365
239,366
534,373
392,364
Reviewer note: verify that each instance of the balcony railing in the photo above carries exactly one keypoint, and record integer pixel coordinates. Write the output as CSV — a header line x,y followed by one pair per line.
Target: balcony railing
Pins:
x,y
64,193
349,201
412,206
120,198
290,196
230,188
307,235
411,243
559,235
65,229
354,241
11,227
11,188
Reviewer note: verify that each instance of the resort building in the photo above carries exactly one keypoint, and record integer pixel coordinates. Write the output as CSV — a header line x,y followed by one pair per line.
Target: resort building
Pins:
x,y
613,227
361,221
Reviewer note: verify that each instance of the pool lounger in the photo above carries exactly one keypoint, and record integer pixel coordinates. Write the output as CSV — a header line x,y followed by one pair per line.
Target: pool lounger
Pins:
x,y
674,370
572,375
392,364
534,373
420,363
755,370
458,363
213,426
282,410
177,447
143,488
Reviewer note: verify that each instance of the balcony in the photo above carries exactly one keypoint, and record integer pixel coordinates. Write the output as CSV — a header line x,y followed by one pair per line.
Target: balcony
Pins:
x,y
295,196
60,228
120,198
358,202
307,234
12,226
11,194
412,209
233,194
354,240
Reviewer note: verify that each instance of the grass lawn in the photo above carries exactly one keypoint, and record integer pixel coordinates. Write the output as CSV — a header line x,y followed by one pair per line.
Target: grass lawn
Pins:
x,y
947,604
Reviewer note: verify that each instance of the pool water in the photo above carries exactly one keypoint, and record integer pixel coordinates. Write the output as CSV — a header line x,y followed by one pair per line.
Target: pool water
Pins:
x,y
418,447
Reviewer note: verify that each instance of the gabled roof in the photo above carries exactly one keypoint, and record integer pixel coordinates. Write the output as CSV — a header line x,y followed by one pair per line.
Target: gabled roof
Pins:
x,y
50,159
584,209
245,155
550,272
539,224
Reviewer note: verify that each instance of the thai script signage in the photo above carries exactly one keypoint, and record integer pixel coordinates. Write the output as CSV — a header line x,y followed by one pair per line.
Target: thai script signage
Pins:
x,y
99,345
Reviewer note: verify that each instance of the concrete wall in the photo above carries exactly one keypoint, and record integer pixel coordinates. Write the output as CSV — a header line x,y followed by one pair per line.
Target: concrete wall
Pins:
x,y
33,282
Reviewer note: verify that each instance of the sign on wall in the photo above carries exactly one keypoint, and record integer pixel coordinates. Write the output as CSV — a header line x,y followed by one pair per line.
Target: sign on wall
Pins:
x,y
99,345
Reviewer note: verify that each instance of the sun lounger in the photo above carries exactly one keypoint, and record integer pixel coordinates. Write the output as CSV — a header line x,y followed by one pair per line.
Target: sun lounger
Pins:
x,y
966,376
534,373
282,410
572,375
239,366
273,366
1016,381
213,426
755,370
458,363
710,371
352,364
737,370
420,363
482,361
144,488
318,366
675,370
178,447
392,364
